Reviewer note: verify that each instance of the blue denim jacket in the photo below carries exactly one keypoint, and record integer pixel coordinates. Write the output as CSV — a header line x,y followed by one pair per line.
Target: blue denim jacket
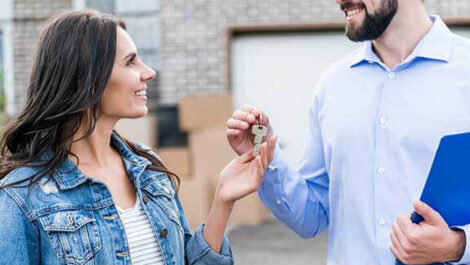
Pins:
x,y
69,218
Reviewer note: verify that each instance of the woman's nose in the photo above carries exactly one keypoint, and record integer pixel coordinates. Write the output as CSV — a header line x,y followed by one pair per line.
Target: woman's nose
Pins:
x,y
148,75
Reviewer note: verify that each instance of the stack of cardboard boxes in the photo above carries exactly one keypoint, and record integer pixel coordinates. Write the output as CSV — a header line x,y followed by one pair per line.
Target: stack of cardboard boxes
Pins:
x,y
208,152
199,165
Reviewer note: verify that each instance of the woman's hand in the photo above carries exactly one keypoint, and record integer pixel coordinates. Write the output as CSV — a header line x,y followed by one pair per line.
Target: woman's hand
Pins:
x,y
239,178
244,174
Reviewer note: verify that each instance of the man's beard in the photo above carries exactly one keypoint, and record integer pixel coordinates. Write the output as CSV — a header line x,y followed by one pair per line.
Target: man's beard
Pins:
x,y
374,25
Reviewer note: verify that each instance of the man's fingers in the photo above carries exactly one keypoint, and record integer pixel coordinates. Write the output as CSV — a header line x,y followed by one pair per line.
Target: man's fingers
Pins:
x,y
396,253
405,224
244,116
232,132
430,216
396,231
237,124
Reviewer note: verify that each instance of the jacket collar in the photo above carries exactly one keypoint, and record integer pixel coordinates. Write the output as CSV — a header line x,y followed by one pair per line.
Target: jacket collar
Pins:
x,y
68,175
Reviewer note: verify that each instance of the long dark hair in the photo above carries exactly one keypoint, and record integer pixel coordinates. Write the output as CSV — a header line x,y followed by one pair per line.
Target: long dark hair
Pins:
x,y
72,66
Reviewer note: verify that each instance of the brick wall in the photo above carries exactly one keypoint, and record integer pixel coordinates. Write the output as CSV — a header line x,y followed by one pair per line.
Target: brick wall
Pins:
x,y
29,17
193,35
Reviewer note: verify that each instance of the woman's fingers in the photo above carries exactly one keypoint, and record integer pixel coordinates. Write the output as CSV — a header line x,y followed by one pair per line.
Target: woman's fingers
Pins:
x,y
259,172
271,146
263,155
246,157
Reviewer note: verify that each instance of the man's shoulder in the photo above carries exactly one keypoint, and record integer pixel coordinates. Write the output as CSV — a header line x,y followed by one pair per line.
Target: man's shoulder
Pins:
x,y
342,67
460,47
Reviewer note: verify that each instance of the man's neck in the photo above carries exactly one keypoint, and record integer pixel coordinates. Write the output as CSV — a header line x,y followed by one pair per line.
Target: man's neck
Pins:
x,y
402,36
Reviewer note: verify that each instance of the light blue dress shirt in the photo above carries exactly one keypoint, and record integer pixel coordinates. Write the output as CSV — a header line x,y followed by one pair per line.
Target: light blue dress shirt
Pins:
x,y
373,133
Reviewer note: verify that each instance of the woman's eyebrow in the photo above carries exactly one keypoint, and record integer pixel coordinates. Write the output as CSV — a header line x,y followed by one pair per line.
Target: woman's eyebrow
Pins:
x,y
130,55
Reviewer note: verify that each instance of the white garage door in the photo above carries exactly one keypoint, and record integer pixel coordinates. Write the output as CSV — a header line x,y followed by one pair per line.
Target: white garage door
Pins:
x,y
278,72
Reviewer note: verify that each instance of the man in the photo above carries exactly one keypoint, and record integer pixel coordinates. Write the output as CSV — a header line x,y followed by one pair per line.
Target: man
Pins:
x,y
374,126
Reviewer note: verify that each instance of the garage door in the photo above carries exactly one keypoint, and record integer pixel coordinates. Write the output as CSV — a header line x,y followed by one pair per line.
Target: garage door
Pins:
x,y
278,72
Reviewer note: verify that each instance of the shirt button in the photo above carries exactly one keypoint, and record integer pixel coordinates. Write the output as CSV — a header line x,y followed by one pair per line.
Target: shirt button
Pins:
x,y
382,120
381,170
382,221
164,232
391,75
145,198
278,201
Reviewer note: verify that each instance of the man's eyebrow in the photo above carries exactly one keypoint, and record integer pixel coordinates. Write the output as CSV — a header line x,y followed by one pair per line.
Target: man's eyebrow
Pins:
x,y
130,55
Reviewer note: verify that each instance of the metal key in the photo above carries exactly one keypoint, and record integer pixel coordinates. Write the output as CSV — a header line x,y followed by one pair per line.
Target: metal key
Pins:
x,y
259,131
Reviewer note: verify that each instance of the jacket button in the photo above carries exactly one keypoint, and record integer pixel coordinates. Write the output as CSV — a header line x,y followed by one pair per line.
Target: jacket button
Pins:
x,y
164,232
145,198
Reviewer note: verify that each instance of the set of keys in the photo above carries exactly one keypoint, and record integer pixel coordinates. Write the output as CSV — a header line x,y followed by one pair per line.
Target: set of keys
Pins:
x,y
259,131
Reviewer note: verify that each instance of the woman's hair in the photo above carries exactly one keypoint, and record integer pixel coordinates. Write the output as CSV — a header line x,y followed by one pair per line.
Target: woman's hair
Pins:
x,y
72,66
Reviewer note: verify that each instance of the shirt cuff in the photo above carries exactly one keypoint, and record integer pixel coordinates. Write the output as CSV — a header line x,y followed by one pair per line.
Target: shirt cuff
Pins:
x,y
270,191
200,253
279,163
466,255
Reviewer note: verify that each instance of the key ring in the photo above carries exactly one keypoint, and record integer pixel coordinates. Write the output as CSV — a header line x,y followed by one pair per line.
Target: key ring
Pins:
x,y
259,119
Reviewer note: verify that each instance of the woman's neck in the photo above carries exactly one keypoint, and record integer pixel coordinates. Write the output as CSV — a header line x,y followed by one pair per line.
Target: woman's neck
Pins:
x,y
96,148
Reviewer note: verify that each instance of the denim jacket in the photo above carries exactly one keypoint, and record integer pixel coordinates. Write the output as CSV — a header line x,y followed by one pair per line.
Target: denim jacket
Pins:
x,y
68,218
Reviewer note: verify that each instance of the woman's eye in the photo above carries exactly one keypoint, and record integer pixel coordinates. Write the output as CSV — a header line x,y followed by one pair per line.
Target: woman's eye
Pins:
x,y
131,61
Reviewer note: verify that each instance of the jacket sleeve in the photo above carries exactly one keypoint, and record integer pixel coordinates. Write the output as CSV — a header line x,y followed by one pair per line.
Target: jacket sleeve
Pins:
x,y
198,252
19,241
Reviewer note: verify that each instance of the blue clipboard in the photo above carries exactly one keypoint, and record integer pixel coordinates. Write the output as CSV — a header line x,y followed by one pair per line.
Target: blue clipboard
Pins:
x,y
447,189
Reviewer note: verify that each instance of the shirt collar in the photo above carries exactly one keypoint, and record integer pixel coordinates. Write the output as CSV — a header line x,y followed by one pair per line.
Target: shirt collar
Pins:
x,y
68,176
435,45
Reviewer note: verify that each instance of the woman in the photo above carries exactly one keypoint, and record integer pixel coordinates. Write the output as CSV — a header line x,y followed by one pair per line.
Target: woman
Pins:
x,y
73,190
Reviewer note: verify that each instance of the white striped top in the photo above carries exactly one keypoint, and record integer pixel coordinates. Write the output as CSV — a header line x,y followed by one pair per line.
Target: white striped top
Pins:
x,y
143,245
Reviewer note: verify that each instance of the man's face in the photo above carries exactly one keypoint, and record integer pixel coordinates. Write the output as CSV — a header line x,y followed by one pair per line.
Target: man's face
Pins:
x,y
367,19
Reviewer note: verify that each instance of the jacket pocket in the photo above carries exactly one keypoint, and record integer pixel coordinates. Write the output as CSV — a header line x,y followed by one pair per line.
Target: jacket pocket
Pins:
x,y
74,235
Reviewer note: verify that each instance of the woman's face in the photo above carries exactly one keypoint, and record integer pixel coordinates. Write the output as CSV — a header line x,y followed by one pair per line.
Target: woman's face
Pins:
x,y
125,94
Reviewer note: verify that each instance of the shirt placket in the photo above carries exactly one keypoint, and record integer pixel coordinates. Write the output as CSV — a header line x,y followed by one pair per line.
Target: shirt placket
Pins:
x,y
382,167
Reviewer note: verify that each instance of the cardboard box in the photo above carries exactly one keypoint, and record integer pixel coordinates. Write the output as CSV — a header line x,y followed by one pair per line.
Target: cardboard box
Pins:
x,y
200,112
176,159
196,197
143,130
210,152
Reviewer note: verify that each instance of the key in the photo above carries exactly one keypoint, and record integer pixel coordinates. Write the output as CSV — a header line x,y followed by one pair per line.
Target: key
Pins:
x,y
259,131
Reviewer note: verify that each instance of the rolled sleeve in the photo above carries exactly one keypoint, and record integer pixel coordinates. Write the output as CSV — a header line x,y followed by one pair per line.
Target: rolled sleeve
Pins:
x,y
198,252
466,256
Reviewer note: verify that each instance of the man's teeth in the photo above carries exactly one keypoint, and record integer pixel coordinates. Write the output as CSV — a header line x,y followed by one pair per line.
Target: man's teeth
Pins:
x,y
141,93
353,12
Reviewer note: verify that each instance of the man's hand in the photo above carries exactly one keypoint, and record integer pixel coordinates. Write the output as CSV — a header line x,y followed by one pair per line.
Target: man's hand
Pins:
x,y
239,128
427,242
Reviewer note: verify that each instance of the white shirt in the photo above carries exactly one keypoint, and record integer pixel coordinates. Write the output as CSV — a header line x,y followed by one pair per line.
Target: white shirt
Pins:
x,y
143,245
